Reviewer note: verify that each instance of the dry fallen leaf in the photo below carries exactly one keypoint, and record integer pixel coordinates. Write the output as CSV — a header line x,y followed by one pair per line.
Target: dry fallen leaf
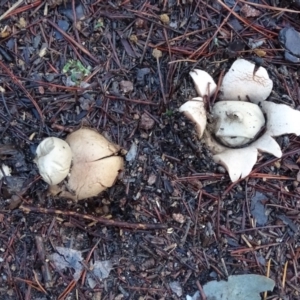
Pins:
x,y
246,287
249,11
68,258
100,270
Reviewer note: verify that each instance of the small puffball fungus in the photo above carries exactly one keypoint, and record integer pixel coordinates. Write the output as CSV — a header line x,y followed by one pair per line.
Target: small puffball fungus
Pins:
x,y
243,82
53,158
95,163
237,122
203,82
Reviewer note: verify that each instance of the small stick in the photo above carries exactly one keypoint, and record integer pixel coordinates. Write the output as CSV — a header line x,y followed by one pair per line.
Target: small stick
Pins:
x,y
284,275
45,267
104,221
72,41
281,9
267,275
11,9
203,297
157,54
19,84
188,226
146,44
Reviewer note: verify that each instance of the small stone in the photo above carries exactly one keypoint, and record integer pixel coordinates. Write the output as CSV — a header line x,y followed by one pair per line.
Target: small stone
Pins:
x,y
126,86
165,18
178,218
151,179
140,23
22,22
133,38
290,39
146,122
156,53
249,11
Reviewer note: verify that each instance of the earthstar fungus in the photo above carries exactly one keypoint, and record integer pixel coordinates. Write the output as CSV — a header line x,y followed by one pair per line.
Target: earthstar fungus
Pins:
x,y
243,122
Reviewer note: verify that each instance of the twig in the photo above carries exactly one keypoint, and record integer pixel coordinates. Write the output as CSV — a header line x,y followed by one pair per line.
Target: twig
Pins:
x,y
11,9
161,81
271,7
256,28
203,46
203,297
146,44
72,41
42,256
104,221
268,275
187,229
284,275
19,84
25,8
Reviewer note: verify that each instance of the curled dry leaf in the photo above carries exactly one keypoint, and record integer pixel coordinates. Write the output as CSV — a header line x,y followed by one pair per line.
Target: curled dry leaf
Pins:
x,y
53,158
95,163
243,82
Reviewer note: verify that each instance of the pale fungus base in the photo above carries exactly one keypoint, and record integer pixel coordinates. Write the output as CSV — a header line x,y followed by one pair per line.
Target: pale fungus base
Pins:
x,y
238,123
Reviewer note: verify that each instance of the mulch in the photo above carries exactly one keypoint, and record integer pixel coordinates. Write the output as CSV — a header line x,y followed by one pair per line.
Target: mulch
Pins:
x,y
173,218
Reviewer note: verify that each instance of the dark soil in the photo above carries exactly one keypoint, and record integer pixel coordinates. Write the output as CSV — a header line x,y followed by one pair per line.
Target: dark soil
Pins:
x,y
198,226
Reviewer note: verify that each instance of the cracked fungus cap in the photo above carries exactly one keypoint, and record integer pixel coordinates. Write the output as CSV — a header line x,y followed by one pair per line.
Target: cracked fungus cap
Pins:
x,y
53,158
95,163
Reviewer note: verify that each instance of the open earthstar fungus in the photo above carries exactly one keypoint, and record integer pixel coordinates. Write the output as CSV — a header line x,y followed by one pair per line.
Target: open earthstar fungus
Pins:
x,y
243,121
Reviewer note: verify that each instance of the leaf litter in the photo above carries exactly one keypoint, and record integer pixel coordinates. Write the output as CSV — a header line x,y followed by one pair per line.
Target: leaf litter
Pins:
x,y
246,287
117,42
